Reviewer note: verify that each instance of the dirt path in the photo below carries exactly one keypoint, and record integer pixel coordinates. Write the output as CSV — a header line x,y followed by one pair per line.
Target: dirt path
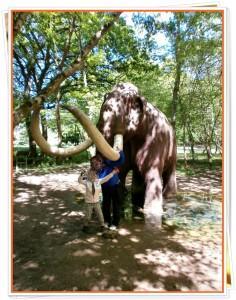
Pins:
x,y
51,253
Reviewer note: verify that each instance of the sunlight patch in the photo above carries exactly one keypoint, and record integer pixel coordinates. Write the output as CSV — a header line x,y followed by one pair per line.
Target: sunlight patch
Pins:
x,y
55,231
43,223
74,242
101,286
49,278
37,180
85,252
22,218
124,232
134,239
22,197
75,213
115,241
105,261
30,265
145,285
92,239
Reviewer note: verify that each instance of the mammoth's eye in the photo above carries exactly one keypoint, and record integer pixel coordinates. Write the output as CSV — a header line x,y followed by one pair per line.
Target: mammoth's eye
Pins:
x,y
107,113
107,108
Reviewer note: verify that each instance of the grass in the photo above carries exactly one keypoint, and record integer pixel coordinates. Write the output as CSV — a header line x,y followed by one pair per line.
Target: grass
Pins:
x,y
48,163
192,168
195,167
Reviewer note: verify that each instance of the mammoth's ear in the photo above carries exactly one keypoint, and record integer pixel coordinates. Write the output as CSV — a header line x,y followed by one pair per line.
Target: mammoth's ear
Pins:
x,y
141,103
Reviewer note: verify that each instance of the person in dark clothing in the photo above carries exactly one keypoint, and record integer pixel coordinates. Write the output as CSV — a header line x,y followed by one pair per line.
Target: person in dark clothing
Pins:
x,y
111,190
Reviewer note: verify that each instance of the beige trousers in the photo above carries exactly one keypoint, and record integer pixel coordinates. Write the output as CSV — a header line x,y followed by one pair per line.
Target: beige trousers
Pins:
x,y
89,210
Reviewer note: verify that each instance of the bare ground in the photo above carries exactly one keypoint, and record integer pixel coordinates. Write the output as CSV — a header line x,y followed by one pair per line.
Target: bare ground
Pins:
x,y
51,253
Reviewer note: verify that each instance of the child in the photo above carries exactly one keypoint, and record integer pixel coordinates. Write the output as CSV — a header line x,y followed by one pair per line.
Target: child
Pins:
x,y
93,194
111,189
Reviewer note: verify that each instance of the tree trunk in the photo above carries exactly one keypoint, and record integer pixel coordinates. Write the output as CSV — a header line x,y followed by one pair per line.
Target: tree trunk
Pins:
x,y
192,150
218,147
207,139
191,140
175,95
58,119
208,151
44,127
184,145
81,53
32,145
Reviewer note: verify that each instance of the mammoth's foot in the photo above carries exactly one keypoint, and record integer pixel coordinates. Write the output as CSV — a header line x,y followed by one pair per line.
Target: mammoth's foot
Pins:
x,y
153,215
169,184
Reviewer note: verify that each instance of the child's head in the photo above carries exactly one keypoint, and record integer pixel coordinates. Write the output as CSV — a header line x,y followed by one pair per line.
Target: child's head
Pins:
x,y
96,163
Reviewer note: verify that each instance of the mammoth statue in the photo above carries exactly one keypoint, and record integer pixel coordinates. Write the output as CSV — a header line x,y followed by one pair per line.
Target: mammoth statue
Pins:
x,y
147,138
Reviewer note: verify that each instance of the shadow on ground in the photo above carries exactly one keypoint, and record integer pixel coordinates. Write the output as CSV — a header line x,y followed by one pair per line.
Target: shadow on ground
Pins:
x,y
52,253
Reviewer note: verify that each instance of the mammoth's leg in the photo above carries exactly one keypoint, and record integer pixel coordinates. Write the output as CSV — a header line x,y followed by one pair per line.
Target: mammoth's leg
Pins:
x,y
125,168
124,190
137,191
124,171
153,206
169,182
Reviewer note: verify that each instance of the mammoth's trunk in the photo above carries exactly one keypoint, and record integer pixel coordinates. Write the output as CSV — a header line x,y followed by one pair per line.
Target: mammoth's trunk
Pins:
x,y
96,136
46,147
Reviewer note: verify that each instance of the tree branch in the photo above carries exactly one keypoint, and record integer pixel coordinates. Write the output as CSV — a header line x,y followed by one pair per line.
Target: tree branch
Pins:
x,y
55,83
67,44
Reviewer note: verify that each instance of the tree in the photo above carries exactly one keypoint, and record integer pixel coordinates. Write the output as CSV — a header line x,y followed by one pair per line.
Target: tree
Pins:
x,y
192,58
49,86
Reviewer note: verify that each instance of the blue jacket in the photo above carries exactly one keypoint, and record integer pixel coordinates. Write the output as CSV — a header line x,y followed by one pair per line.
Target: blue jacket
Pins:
x,y
109,166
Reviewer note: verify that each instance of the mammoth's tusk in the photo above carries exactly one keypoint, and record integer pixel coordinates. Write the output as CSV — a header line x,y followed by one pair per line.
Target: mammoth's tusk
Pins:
x,y
53,150
92,131
118,142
